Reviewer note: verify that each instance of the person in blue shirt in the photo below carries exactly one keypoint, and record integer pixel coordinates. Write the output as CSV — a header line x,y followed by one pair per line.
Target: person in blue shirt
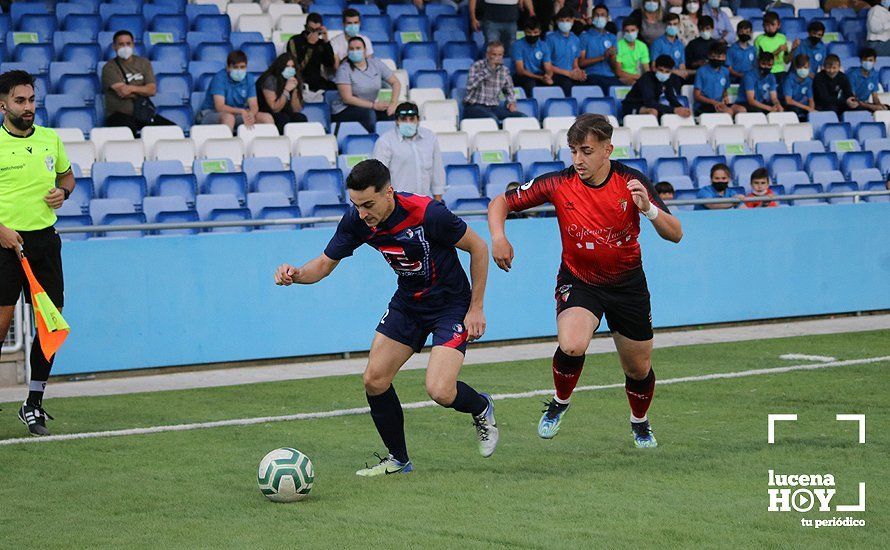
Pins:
x,y
721,177
419,238
565,52
669,44
231,97
722,25
797,89
864,81
759,91
812,47
532,58
741,55
711,88
598,49
656,92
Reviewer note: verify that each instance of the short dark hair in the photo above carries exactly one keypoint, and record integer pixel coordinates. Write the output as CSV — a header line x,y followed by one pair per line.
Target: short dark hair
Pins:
x,y
760,174
351,12
122,33
589,124
669,17
532,23
744,24
368,173
406,109
705,21
601,6
765,57
236,57
315,18
565,13
867,52
664,61
816,26
717,48
664,187
800,60
630,22
831,59
10,79
720,166
771,17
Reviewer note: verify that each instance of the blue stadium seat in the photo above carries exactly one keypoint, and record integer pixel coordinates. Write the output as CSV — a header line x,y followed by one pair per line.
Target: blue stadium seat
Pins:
x,y
102,170
64,9
543,93
37,56
359,144
308,201
820,162
412,66
257,202
18,10
666,167
682,193
791,179
870,130
559,107
693,150
421,50
206,203
877,145
430,79
238,39
470,204
304,164
329,180
453,157
196,38
458,79
130,187
742,166
84,86
841,187
318,112
134,23
83,118
177,24
82,194
88,55
683,182
387,50
701,168
463,175
176,53
856,160
784,163
180,185
769,148
807,189
451,23
834,131
182,116
259,55
154,169
193,11
43,24
638,164
854,118
583,92
442,37
540,168
411,23
499,175
152,206
346,129
376,23
820,118
528,107
101,208
455,192
87,25
842,50
329,211
124,219
464,49
876,186
81,220
202,72
218,25
212,51
178,84
278,213
226,183
600,106
254,166
457,64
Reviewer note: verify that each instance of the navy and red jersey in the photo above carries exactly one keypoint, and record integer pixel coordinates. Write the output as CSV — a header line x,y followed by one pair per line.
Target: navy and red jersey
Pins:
x,y
417,240
599,225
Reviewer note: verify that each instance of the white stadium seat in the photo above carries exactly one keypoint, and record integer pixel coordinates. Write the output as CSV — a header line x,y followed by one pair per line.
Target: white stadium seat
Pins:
x,y
419,96
325,146
561,140
797,132
402,75
256,23
231,148
658,135
727,135
69,134
247,135
750,119
440,109
439,125
764,132
533,139
130,150
296,130
622,137
635,122
152,134
182,150
709,120
557,123
472,126
270,146
236,10
691,135
81,153
276,10
292,24
101,135
782,118
454,141
673,122
515,125
202,132
491,141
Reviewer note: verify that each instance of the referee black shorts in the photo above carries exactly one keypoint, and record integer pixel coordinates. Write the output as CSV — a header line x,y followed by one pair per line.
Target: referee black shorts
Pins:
x,y
43,248
625,305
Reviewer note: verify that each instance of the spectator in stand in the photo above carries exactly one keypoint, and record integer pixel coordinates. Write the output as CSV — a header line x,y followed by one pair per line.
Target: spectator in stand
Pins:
x,y
720,178
670,45
864,82
231,96
650,18
280,93
499,19
359,81
741,55
711,90
689,21
797,90
664,190
645,97
722,24
533,58
698,49
831,88
598,50
812,47
412,155
759,90
760,188
312,50
565,52
632,56
583,10
488,79
675,6
352,25
878,24
773,42
126,80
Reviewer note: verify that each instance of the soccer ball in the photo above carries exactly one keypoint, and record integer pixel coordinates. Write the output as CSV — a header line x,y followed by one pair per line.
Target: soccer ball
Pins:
x,y
285,475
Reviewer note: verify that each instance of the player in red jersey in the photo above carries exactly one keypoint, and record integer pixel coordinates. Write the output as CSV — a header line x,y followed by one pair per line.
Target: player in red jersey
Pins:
x,y
598,206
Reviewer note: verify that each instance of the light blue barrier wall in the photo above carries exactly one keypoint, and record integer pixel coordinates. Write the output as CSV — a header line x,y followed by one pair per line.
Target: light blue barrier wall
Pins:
x,y
137,303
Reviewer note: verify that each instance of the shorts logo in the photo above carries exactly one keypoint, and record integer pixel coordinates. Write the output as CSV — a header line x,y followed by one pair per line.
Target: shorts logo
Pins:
x,y
50,162
458,328
564,291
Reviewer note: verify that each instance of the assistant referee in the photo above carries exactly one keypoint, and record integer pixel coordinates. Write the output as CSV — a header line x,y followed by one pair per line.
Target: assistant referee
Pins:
x,y
35,179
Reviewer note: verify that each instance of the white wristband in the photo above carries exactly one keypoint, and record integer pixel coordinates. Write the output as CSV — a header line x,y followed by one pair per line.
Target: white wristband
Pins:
x,y
652,213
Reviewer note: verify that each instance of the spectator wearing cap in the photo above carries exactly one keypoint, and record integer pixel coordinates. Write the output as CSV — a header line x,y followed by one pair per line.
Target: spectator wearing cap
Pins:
x,y
412,155
656,92
488,79
352,25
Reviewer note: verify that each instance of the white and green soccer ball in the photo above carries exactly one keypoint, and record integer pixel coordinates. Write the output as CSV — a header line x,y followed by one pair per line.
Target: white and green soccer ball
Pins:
x,y
285,475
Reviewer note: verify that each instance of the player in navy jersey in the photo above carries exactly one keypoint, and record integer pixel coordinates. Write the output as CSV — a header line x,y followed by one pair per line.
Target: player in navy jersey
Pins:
x,y
598,206
419,237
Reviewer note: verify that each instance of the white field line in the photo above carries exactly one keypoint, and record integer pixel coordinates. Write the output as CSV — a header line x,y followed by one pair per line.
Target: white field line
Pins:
x,y
800,357
423,404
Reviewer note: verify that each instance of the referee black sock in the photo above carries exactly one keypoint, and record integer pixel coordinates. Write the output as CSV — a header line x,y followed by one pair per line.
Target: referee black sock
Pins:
x,y
468,400
386,411
40,369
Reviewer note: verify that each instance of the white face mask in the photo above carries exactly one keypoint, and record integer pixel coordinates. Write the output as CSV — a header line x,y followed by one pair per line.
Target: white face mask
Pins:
x,y
692,7
125,52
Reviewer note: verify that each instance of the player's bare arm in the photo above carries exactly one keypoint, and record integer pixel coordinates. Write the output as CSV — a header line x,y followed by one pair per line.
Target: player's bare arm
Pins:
x,y
313,271
474,244
501,249
667,225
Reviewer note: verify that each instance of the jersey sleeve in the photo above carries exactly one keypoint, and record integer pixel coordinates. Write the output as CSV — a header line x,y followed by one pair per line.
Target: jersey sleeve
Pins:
x,y
442,225
63,165
345,240
533,193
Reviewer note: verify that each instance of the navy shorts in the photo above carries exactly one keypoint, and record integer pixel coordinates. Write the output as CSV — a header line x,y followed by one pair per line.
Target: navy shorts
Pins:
x,y
411,325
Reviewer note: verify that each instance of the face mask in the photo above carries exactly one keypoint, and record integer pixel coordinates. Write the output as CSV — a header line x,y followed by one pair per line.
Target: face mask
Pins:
x,y
765,71
630,36
886,4
706,35
720,186
565,27
716,63
651,6
532,39
238,74
814,40
407,129
868,65
744,37
600,22
288,73
714,3
692,7
125,52
352,30
803,73
671,30
662,77
356,56
679,9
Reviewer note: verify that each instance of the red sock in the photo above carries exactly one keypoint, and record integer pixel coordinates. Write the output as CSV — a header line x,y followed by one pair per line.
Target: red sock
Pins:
x,y
639,393
566,371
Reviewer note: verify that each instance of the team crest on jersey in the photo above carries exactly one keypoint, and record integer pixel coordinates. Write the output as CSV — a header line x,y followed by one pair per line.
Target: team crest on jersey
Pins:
x,y
50,162
622,203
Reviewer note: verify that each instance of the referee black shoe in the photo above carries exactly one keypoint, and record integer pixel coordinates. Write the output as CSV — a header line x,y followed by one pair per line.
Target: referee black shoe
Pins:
x,y
35,419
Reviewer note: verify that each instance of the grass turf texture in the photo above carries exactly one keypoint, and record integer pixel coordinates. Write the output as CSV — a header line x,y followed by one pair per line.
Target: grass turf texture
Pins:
x,y
705,486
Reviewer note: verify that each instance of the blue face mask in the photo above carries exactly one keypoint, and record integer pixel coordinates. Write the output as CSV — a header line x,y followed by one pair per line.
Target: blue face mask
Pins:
x,y
352,30
803,73
706,35
662,77
356,56
600,22
630,36
868,65
565,27
671,30
650,6
714,3
288,72
238,74
407,129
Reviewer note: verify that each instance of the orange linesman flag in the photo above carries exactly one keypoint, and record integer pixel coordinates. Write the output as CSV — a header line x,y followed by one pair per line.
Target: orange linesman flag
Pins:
x,y
52,329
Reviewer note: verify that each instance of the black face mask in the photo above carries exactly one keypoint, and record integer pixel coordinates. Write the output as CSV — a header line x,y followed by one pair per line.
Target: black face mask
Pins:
x,y
814,40
532,39
744,37
720,186
716,63
764,71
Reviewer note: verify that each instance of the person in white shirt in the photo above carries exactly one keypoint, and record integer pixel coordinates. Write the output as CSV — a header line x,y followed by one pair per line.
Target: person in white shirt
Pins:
x,y
352,24
878,24
412,155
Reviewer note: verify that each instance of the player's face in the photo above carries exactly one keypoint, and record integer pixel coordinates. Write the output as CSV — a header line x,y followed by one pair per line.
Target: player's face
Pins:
x,y
18,107
373,206
589,157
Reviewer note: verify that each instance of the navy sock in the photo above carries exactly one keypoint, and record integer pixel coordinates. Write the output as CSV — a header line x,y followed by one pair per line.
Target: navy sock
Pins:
x,y
468,400
386,411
